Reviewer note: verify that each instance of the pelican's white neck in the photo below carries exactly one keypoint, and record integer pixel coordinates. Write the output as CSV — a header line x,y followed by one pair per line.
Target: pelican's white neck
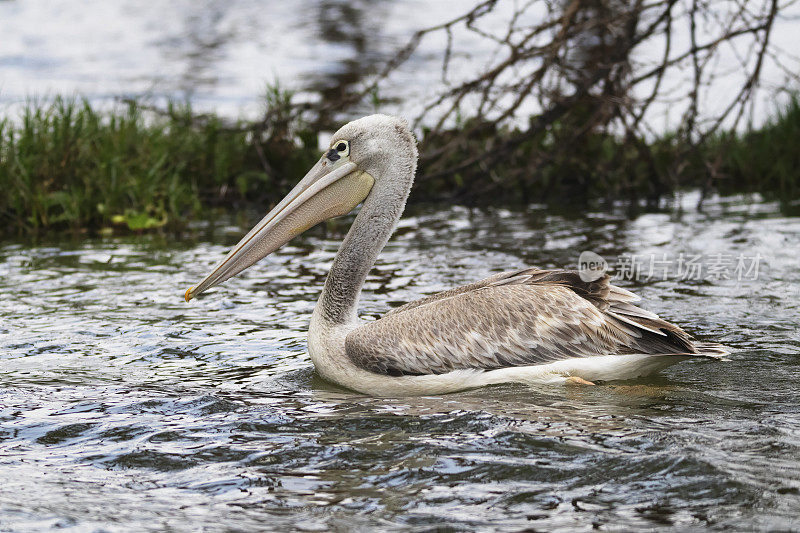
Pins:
x,y
371,229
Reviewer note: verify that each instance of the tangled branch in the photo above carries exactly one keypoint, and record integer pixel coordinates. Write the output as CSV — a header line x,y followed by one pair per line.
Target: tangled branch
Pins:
x,y
569,69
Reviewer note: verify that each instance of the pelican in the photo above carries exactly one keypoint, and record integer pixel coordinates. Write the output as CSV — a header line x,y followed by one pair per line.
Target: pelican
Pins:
x,y
527,326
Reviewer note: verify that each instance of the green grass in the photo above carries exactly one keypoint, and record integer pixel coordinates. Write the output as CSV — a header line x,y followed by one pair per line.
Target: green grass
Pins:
x,y
65,166
766,160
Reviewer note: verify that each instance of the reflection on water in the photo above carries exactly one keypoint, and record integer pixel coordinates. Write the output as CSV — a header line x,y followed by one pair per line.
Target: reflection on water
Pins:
x,y
222,53
123,407
199,47
219,54
354,25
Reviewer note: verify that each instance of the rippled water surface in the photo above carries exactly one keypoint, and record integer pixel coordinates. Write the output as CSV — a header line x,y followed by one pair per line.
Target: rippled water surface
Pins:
x,y
122,407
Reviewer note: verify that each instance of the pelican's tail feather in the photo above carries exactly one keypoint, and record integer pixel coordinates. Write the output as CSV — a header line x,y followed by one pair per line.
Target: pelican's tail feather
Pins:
x,y
713,350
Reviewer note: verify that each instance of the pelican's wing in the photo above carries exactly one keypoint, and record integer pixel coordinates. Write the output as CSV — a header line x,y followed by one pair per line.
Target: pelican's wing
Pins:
x,y
519,318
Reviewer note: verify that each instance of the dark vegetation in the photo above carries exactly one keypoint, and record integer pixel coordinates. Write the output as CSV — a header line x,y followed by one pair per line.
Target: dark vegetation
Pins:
x,y
558,166
68,166
551,118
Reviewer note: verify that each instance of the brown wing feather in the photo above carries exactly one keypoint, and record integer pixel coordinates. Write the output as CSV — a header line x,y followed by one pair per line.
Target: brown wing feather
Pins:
x,y
524,317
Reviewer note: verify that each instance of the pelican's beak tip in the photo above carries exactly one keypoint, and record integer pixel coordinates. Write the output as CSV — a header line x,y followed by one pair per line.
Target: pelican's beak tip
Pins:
x,y
188,294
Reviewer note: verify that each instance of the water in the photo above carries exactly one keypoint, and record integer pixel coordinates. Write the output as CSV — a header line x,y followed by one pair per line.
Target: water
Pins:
x,y
124,408
221,54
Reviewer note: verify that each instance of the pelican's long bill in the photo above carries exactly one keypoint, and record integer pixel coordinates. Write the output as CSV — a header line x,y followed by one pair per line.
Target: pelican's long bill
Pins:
x,y
328,190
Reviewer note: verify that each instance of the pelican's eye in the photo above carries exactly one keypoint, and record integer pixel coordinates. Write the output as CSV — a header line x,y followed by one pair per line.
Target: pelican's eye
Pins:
x,y
339,150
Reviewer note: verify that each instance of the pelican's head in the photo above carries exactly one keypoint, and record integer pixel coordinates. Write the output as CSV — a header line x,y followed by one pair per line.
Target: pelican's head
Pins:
x,y
363,155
